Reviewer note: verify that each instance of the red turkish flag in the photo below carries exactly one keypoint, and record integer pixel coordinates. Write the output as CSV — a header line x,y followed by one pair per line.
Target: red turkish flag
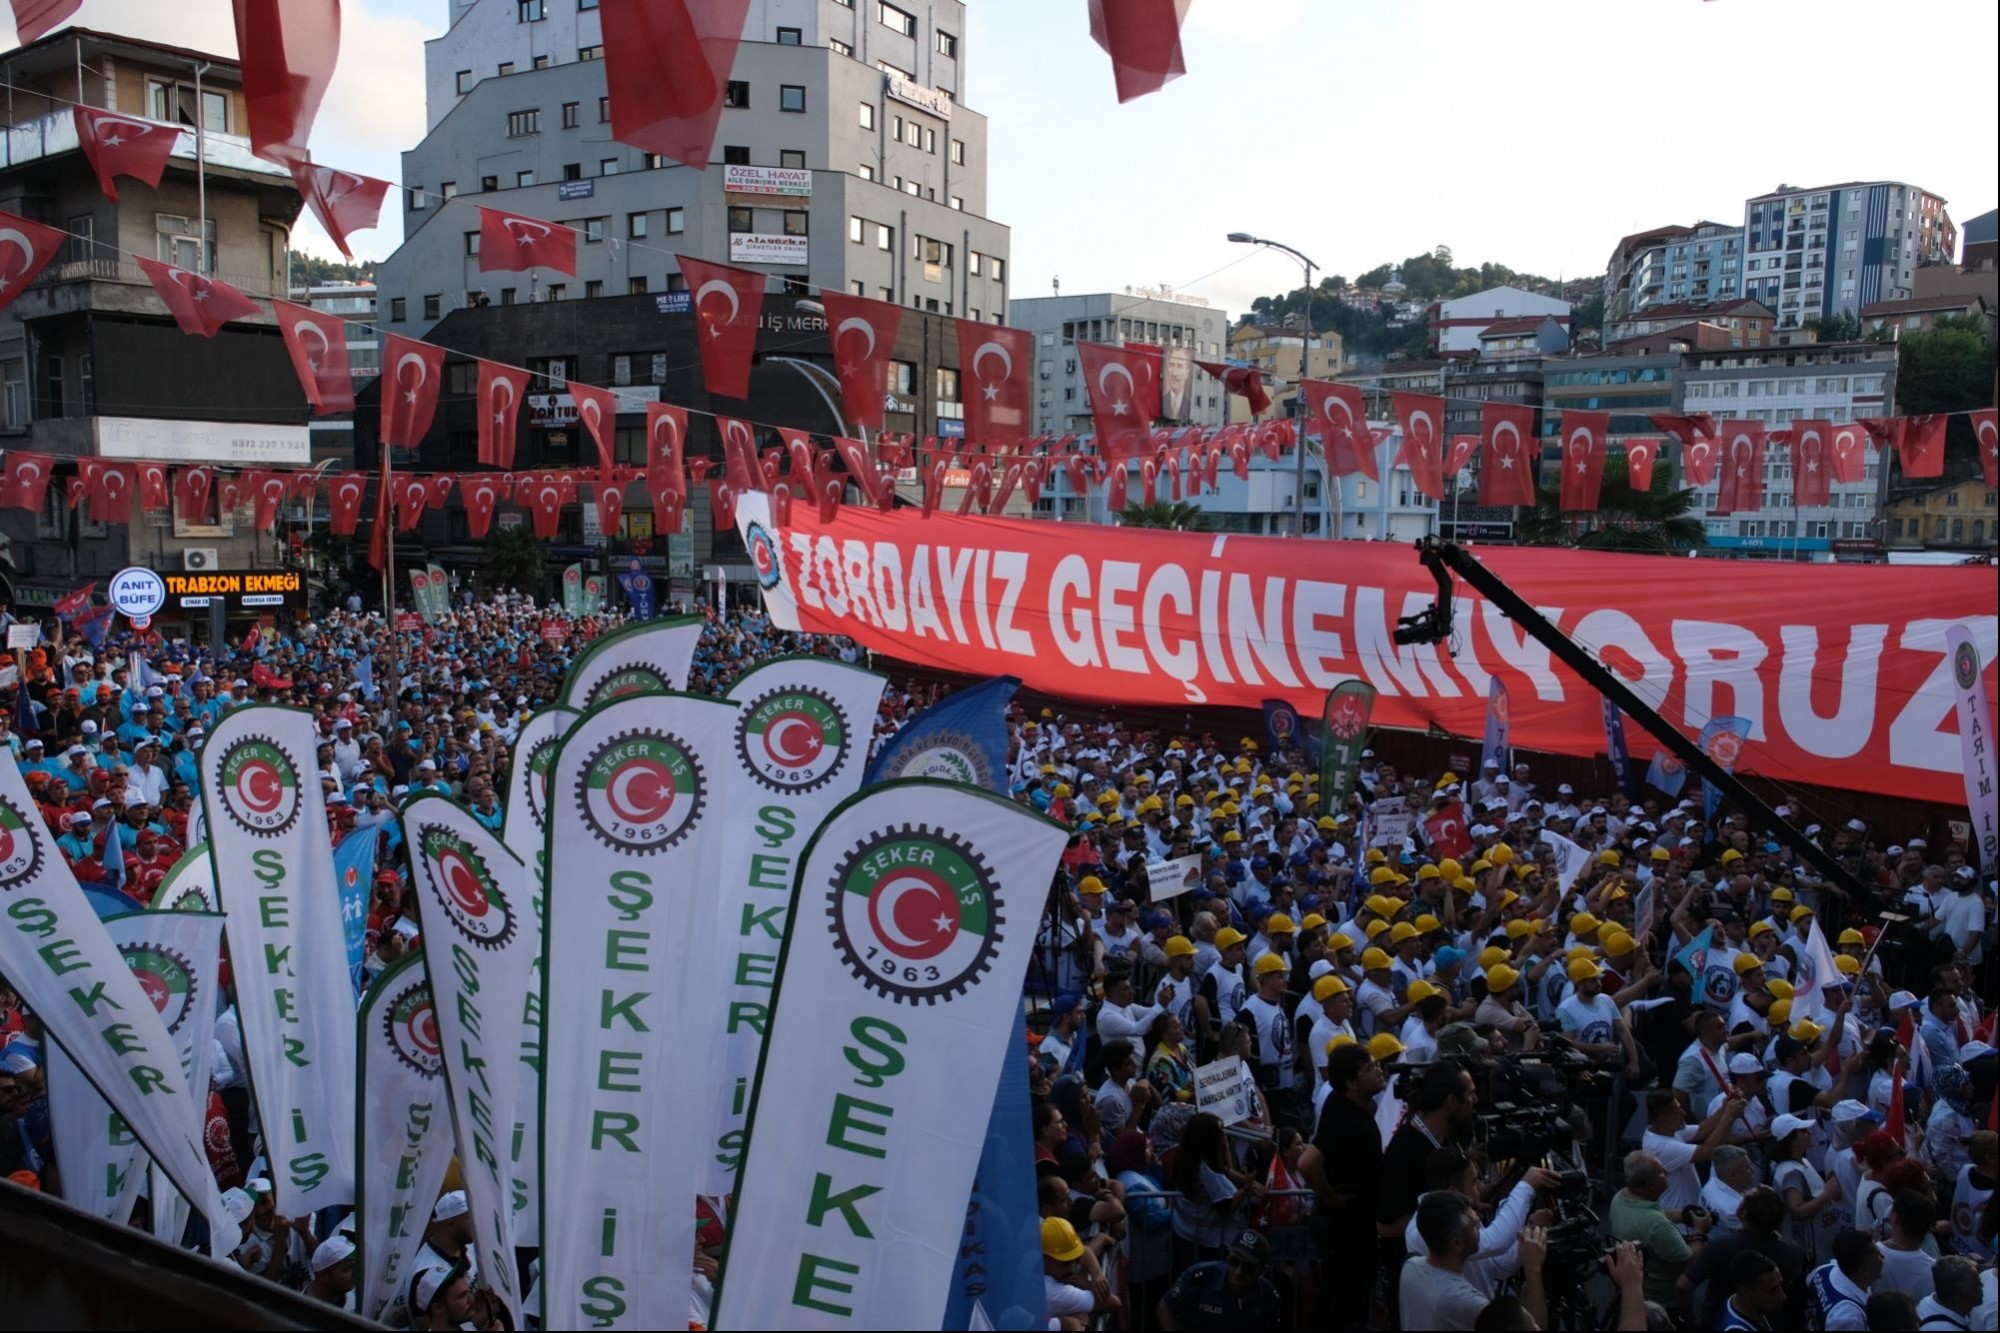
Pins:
x,y
728,302
36,19
232,492
544,501
666,63
1111,375
1143,39
36,245
863,334
610,504
1148,360
1986,434
1507,439
1640,455
854,455
152,487
269,489
1699,451
413,496
515,243
994,364
1812,463
501,389
318,347
108,489
480,494
1583,459
1245,382
437,490
1742,453
79,491
287,49
799,445
1422,419
1920,445
1446,829
739,455
123,146
666,472
412,373
1458,458
1847,446
305,484
343,503
191,488
343,201
201,306
27,482
1342,419
597,409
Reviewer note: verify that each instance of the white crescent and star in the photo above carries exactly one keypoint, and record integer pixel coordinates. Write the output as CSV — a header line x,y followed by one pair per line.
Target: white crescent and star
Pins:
x,y
667,446
117,123
989,388
777,741
423,373
620,794
856,324
1118,405
1583,453
11,236
892,894
305,326
514,225
493,399
1507,452
718,285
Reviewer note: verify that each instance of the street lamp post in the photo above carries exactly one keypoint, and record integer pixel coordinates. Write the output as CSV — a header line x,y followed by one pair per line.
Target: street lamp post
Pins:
x,y
1298,391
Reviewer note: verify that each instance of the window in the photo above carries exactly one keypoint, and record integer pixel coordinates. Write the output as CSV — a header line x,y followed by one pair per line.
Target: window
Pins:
x,y
398,310
432,303
947,45
465,81
902,377
856,286
52,397
472,243
735,155
607,166
416,198
449,189
530,11
175,243
82,239
593,230
855,229
896,20
865,171
885,237
507,296
677,282
489,184
523,123
947,385
590,53
911,187
539,62
742,219
958,152
505,68
14,411
790,37
886,294
676,221
604,111
736,94
958,203
791,97
795,221
572,171
635,225
840,48
523,179
593,288
792,159
572,113
557,291
930,140
973,262
636,285
867,115
999,274
586,4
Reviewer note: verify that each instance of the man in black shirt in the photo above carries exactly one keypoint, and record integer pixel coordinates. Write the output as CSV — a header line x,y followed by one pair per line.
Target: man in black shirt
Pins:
x,y
1343,1166
1441,1116
1762,1213
1225,1296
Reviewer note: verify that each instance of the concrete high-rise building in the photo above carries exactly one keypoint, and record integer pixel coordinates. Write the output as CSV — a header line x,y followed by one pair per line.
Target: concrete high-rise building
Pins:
x,y
845,159
1062,403
1673,265
1456,324
1833,249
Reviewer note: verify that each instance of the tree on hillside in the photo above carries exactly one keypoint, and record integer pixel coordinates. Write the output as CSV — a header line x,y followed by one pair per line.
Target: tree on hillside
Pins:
x,y
1657,521
1164,514
1843,327
1948,368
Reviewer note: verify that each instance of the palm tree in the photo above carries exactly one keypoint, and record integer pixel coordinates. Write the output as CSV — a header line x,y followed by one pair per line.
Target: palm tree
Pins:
x,y
514,560
1658,521
1165,514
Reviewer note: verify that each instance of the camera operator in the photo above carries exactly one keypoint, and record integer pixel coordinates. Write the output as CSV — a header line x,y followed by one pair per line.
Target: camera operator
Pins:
x,y
1496,1260
1636,1216
1443,1113
1529,1313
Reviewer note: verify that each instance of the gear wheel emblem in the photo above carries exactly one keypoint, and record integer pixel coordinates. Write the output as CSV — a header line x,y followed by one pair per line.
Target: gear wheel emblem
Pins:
x,y
168,979
793,740
624,681
536,775
258,782
641,791
915,914
412,1029
20,845
461,882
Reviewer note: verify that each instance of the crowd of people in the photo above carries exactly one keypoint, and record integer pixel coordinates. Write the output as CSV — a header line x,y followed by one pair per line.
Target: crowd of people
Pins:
x,y
1374,1062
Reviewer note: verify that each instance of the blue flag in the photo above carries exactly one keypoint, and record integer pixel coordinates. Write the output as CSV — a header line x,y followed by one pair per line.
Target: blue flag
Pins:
x,y
1495,750
1667,773
1614,747
999,1269
364,676
112,857
1281,725
1721,740
961,738
94,624
354,873
639,590
1694,956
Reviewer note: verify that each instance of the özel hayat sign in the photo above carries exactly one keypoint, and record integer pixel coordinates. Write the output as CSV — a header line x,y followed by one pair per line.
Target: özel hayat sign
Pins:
x,y
796,182
1842,671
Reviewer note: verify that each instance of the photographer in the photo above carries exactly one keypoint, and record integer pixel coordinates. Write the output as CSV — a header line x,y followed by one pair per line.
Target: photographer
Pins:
x,y
1636,1216
1497,1259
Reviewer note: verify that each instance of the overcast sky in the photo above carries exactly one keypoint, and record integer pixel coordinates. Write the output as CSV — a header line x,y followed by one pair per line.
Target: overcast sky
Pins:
x,y
1533,133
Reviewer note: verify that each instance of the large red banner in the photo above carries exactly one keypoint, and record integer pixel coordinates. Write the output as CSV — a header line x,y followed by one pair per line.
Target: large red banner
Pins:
x,y
1841,670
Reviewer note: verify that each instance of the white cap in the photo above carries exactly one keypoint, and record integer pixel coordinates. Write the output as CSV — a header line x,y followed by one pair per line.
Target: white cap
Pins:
x,y
1918,842
1857,826
1901,1000
1785,1126
333,1250
1745,1063
89,727
238,1205
449,1205
1849,1109
1972,1050
1565,790
429,1283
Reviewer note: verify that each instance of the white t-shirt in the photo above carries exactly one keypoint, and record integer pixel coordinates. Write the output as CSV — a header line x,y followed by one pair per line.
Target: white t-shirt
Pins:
x,y
1720,1199
1274,1037
1370,1002
1419,1046
1968,1198
1065,1300
1676,1154
1907,1271
1593,1021
1323,1031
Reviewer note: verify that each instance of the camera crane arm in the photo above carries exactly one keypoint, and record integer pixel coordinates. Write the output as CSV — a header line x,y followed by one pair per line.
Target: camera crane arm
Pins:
x,y
1445,559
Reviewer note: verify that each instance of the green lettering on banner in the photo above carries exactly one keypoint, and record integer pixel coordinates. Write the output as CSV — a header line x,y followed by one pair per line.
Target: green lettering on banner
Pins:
x,y
823,1203
308,1170
762,866
810,1281
273,910
398,1215
295,1051
770,921
731,1145
619,1125
608,1069
114,1179
876,1035
743,1015
285,1004
779,824
616,948
467,969
606,1300
747,964
121,1133
89,1000
847,1116
634,893
277,959
149,1080
482,1113
34,916
468,1016
608,1008
63,956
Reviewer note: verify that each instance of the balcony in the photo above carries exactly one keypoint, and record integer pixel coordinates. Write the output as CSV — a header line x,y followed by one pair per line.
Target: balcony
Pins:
x,y
47,136
120,270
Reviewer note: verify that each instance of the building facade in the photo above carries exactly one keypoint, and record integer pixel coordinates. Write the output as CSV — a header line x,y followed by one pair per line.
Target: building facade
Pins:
x,y
1748,323
1835,382
1833,249
1456,324
353,302
1062,402
1672,265
91,362
845,160
1278,353
1956,516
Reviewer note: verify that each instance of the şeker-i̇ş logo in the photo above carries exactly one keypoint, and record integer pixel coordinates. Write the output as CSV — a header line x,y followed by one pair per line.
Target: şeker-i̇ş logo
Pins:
x,y
793,740
167,980
462,883
538,779
412,1029
260,787
764,556
20,848
629,680
641,792
914,915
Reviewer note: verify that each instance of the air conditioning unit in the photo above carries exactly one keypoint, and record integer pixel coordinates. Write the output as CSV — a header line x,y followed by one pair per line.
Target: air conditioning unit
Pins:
x,y
201,559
